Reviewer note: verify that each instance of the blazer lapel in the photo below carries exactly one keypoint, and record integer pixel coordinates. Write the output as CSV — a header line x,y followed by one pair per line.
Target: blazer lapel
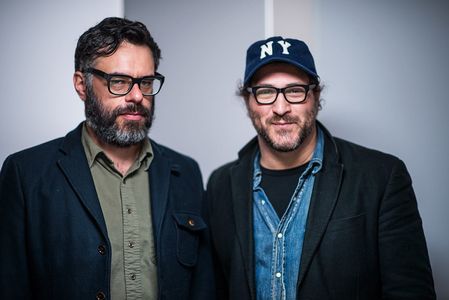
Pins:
x,y
324,198
76,169
159,176
241,184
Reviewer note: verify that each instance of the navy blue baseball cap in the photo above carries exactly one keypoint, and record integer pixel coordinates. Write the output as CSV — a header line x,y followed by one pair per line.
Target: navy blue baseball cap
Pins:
x,y
278,49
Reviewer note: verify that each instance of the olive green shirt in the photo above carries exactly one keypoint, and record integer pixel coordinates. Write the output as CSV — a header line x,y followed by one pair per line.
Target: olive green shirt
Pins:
x,y
125,202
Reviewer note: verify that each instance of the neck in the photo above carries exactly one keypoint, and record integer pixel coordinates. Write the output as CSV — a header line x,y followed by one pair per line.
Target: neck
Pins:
x,y
276,160
123,157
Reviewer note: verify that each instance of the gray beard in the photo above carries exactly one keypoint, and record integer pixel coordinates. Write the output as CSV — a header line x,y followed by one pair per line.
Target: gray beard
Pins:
x,y
304,132
103,122
302,136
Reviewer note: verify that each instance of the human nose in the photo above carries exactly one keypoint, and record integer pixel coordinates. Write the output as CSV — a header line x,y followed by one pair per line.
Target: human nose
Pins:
x,y
135,94
281,106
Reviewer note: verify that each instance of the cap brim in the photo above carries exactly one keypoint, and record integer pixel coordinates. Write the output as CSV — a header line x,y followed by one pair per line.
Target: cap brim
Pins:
x,y
277,59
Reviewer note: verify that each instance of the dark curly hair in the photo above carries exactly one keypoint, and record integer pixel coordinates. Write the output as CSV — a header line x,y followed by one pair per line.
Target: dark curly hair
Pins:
x,y
104,38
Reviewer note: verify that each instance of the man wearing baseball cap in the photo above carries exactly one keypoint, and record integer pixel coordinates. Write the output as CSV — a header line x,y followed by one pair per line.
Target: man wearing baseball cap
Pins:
x,y
304,215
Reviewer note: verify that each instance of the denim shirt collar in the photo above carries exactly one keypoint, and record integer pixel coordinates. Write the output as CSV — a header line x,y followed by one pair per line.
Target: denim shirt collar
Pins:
x,y
314,165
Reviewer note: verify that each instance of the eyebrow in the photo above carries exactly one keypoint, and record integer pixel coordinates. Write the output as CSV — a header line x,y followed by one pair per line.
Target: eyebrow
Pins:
x,y
288,85
126,75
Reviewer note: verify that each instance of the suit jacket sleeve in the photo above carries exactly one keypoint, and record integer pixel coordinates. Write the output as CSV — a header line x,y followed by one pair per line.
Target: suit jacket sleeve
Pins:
x,y
14,275
404,262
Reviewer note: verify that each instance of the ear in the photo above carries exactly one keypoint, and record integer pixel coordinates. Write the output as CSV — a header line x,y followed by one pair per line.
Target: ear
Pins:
x,y
79,82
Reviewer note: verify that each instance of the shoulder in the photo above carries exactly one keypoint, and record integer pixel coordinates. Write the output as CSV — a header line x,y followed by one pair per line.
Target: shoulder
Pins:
x,y
339,150
356,153
221,174
39,154
358,159
242,165
30,165
173,156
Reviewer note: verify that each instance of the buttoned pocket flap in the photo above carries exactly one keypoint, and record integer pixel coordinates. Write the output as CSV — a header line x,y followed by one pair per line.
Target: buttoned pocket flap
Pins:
x,y
189,228
190,221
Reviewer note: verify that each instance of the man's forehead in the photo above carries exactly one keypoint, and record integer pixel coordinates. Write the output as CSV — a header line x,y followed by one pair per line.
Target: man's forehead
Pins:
x,y
127,58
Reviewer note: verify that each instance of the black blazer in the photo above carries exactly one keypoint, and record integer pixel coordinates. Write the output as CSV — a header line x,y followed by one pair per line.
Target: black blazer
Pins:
x,y
53,239
364,237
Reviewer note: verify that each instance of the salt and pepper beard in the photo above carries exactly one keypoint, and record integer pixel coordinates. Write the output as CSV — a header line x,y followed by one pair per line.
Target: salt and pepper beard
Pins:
x,y
304,131
103,122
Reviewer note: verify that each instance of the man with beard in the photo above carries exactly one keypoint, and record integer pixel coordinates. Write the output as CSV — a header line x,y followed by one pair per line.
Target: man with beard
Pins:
x,y
303,215
106,212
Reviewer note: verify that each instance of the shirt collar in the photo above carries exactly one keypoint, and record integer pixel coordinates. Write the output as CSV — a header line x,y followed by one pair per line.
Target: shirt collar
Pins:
x,y
93,151
314,165
146,154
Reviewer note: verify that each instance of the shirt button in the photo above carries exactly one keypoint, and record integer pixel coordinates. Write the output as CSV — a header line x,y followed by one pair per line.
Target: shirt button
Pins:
x,y
129,210
102,249
100,296
131,244
133,276
278,275
280,235
263,202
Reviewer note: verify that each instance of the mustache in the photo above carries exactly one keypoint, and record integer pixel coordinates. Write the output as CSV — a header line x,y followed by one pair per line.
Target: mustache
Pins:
x,y
131,108
285,119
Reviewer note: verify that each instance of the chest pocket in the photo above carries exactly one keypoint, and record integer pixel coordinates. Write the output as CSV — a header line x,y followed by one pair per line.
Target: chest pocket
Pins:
x,y
188,230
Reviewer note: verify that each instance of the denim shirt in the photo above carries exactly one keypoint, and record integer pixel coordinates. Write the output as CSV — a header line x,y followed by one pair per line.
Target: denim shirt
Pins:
x,y
278,242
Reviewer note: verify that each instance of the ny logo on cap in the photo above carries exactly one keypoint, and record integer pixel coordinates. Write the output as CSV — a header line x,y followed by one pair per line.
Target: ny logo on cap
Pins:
x,y
267,49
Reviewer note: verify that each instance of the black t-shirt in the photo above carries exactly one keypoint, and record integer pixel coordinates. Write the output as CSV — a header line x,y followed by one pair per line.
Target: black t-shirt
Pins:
x,y
279,186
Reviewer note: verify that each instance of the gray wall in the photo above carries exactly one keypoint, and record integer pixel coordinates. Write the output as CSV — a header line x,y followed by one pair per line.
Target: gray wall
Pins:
x,y
203,46
38,40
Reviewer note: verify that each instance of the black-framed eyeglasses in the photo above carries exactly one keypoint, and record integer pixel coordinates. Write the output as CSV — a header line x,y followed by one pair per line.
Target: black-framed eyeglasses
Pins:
x,y
120,84
294,94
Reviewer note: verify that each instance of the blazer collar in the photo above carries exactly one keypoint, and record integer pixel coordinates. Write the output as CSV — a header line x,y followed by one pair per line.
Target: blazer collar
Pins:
x,y
324,198
241,183
73,164
160,170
